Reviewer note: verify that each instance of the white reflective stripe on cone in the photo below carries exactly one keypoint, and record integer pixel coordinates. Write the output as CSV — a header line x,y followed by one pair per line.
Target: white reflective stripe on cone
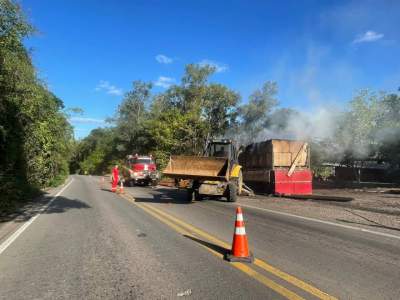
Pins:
x,y
240,231
239,217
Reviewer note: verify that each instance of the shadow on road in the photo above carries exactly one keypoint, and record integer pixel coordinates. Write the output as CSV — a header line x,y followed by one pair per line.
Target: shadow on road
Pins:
x,y
174,196
30,209
62,204
214,247
165,196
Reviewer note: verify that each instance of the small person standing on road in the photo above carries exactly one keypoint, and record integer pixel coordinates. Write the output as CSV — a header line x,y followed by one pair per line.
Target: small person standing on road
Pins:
x,y
115,179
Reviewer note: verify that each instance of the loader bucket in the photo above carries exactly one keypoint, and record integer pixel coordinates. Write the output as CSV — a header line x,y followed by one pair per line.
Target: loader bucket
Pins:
x,y
197,168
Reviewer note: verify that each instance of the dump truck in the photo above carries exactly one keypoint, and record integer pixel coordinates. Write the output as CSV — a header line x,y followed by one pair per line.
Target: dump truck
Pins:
x,y
277,166
216,173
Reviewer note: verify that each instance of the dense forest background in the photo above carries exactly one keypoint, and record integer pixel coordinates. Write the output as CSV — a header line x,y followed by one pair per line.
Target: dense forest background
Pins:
x,y
37,148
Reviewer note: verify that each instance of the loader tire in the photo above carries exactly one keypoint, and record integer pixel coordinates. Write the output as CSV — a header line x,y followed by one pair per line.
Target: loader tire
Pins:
x,y
189,195
231,192
198,196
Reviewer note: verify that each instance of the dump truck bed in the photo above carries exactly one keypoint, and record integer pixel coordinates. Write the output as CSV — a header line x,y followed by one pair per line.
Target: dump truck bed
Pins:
x,y
275,153
197,167
278,167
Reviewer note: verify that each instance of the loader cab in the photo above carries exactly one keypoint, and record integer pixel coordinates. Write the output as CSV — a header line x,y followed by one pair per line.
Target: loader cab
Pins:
x,y
222,148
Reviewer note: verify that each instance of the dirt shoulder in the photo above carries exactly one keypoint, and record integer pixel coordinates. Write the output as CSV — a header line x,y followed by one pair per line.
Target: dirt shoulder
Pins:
x,y
374,209
379,200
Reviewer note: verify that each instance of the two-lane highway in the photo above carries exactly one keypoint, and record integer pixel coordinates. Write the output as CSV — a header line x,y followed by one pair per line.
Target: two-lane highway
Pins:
x,y
151,244
91,244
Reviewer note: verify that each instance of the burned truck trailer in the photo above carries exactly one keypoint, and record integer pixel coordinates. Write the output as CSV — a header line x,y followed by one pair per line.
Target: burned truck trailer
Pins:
x,y
280,167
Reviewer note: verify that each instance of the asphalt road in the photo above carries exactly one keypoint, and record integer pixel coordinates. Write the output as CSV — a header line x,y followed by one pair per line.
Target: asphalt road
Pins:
x,y
151,244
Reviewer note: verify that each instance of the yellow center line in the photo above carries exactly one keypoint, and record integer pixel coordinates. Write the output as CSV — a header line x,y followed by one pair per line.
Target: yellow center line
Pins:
x,y
293,280
260,263
266,281
240,266
192,228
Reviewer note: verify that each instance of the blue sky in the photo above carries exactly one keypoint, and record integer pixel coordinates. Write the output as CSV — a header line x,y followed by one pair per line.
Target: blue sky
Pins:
x,y
319,52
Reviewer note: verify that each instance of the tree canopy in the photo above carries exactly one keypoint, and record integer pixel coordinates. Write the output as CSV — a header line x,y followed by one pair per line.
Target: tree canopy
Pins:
x,y
177,121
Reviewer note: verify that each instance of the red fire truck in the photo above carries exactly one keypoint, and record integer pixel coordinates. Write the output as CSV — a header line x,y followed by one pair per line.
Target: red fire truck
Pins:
x,y
140,169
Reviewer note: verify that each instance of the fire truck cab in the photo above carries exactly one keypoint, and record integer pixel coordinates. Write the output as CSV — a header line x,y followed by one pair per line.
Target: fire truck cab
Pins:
x,y
140,169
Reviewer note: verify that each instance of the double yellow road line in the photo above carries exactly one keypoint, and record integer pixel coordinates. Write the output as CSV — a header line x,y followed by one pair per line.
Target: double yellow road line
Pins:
x,y
196,234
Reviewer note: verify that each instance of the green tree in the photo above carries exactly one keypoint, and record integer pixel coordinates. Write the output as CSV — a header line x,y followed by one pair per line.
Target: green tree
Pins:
x,y
130,117
208,109
254,113
96,153
219,109
389,134
358,127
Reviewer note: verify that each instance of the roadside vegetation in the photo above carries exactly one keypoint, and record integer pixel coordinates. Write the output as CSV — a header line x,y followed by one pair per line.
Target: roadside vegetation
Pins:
x,y
35,136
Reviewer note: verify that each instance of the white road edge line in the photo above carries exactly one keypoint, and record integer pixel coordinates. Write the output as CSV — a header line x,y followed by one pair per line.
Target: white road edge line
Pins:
x,y
323,222
20,230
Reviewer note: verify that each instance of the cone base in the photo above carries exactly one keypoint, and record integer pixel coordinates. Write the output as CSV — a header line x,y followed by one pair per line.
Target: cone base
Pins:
x,y
248,259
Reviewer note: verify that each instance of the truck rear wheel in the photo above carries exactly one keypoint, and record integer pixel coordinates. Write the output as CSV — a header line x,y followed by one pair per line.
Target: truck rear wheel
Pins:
x,y
231,192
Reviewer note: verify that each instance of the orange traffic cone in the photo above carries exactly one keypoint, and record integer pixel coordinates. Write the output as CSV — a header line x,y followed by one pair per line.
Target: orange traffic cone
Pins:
x,y
240,248
121,189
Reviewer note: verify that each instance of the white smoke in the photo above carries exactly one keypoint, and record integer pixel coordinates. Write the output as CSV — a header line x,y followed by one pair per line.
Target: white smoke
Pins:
x,y
319,124
366,127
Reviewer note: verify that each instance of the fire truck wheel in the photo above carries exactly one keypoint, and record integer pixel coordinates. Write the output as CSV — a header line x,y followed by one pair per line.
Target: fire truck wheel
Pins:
x,y
231,192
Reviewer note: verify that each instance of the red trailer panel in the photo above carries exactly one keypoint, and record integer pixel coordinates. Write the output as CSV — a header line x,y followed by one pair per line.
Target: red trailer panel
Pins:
x,y
300,183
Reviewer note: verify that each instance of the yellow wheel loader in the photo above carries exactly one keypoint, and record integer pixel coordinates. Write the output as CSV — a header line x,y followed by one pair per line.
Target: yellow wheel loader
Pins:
x,y
216,173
